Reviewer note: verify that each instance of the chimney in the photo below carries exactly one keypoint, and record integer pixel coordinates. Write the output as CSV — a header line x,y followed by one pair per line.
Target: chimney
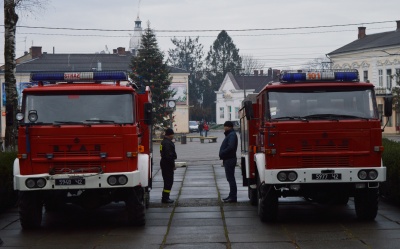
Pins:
x,y
255,72
270,72
121,51
361,32
398,25
261,72
35,52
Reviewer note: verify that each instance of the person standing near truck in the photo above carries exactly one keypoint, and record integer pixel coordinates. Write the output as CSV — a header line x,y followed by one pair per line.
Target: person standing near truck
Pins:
x,y
167,164
227,153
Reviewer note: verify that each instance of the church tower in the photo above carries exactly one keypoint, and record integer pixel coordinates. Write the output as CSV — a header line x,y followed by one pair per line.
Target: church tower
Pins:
x,y
134,43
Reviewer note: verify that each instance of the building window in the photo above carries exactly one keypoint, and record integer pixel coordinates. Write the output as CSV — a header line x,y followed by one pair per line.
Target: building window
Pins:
x,y
229,112
236,113
380,77
389,78
365,76
221,112
397,75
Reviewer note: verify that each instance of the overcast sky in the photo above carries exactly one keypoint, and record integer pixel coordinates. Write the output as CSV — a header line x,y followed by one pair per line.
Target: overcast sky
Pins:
x,y
282,41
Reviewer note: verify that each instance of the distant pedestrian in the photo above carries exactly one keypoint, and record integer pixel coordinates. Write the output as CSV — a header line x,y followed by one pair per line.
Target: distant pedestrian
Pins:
x,y
205,128
227,153
167,164
201,128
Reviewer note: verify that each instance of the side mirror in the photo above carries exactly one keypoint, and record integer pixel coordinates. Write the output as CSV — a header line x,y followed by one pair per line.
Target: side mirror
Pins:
x,y
148,113
388,109
248,108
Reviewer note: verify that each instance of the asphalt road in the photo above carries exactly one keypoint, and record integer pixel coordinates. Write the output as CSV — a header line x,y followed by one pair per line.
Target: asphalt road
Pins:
x,y
198,219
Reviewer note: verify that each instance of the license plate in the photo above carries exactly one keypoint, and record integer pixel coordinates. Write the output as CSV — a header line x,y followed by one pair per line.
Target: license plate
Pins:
x,y
327,176
70,181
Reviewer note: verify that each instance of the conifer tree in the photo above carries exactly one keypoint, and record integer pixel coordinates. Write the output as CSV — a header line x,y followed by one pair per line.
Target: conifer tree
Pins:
x,y
149,69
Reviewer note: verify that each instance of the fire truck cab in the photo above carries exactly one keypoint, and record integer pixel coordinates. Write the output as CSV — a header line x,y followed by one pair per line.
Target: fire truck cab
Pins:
x,y
83,138
315,135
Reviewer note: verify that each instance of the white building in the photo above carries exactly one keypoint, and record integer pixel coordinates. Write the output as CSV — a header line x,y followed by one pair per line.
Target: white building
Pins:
x,y
134,43
377,59
233,90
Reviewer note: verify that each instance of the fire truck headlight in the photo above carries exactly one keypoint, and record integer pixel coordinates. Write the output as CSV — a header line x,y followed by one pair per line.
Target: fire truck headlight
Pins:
x,y
33,116
373,174
122,180
282,176
112,180
19,116
292,176
41,182
30,183
362,174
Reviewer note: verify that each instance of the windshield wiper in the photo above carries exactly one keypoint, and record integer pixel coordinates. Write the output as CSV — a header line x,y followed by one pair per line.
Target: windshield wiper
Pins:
x,y
334,117
293,118
67,122
100,121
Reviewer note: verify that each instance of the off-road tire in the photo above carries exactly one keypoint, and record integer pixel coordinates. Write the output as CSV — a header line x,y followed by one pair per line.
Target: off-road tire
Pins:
x,y
267,203
30,207
135,206
147,198
366,203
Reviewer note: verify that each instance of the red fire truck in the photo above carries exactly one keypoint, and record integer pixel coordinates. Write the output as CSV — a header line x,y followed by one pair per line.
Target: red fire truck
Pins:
x,y
83,138
315,135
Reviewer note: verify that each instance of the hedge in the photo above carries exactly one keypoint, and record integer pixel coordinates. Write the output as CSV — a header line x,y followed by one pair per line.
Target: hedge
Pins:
x,y
8,196
390,189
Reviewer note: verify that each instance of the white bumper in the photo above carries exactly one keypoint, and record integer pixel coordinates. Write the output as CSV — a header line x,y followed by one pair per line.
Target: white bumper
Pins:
x,y
91,181
347,175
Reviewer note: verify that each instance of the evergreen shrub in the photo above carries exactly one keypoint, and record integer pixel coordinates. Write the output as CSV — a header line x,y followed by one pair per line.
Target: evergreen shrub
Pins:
x,y
390,189
8,196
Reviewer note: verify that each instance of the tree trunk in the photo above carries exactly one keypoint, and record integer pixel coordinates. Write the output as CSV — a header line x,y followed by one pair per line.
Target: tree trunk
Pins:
x,y
10,26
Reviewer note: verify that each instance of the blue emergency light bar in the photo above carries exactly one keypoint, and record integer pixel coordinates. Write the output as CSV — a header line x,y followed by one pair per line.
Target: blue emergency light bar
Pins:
x,y
320,75
78,76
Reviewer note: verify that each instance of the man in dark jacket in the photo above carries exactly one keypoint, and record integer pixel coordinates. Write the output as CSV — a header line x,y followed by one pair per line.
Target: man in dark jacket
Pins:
x,y
227,153
167,164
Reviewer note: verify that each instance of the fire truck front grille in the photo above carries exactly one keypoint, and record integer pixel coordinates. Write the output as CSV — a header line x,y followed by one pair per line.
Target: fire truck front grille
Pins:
x,y
316,162
70,153
328,147
75,167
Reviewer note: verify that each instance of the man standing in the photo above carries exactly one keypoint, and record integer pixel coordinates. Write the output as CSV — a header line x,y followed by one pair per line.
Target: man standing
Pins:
x,y
201,128
227,153
167,164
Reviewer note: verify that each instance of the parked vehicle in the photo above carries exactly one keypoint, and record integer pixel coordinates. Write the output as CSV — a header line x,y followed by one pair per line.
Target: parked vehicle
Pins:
x,y
315,135
193,126
85,143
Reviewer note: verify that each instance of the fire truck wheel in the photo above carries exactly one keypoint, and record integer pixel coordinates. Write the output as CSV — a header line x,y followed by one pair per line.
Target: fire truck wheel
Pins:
x,y
30,207
267,203
366,203
147,198
135,206
253,196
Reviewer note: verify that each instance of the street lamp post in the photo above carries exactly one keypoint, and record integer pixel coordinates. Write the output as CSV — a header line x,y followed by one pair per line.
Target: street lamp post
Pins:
x,y
170,105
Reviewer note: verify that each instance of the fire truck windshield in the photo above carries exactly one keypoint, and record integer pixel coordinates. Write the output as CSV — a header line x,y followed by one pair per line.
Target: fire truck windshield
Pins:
x,y
80,108
321,104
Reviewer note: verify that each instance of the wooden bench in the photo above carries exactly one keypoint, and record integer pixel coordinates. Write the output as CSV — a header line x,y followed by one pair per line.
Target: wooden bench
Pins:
x,y
191,137
210,139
